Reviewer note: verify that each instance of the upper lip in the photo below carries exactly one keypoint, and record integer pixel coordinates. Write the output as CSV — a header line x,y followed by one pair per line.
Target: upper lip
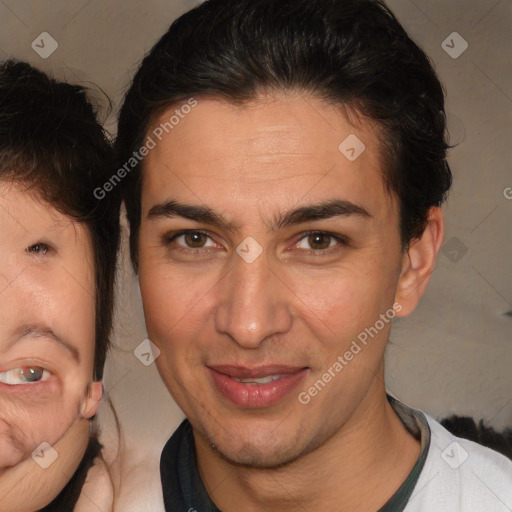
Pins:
x,y
244,372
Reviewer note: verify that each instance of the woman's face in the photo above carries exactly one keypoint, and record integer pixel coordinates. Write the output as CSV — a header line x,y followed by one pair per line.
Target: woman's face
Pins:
x,y
47,325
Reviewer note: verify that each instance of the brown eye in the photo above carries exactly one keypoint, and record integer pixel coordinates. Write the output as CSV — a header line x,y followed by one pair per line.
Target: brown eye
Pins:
x,y
195,240
319,241
189,240
316,241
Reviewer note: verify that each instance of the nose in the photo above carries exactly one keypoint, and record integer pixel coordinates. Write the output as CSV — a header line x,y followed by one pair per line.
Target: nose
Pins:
x,y
254,304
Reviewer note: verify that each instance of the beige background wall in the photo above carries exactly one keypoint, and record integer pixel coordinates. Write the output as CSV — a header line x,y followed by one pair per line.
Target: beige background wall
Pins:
x,y
455,353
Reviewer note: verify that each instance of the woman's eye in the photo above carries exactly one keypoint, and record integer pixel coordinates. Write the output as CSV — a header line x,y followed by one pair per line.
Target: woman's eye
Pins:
x,y
193,240
318,241
39,248
24,375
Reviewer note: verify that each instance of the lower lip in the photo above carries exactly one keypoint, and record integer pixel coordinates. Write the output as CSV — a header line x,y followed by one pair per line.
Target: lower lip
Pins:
x,y
256,395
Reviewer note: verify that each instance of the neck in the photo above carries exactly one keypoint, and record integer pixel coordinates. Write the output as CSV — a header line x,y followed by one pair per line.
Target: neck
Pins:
x,y
358,469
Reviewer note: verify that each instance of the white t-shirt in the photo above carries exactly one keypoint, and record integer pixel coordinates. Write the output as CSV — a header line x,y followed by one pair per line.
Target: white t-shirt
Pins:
x,y
461,476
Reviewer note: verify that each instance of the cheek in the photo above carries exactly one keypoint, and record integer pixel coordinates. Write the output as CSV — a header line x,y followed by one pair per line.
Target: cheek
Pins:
x,y
25,423
176,312
158,298
341,302
161,310
171,299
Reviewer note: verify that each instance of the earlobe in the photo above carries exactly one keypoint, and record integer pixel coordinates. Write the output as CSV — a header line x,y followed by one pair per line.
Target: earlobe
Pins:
x,y
92,400
418,263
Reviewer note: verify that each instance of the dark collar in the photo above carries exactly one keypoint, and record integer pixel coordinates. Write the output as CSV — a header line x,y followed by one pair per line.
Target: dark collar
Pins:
x,y
183,489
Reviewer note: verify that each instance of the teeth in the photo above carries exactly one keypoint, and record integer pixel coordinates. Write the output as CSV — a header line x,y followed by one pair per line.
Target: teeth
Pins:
x,y
259,380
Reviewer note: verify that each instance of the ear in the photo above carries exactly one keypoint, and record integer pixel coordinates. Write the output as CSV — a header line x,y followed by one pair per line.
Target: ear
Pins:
x,y
92,400
418,263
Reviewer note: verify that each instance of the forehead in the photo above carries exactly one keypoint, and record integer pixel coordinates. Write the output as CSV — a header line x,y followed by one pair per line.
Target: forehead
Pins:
x,y
23,213
279,148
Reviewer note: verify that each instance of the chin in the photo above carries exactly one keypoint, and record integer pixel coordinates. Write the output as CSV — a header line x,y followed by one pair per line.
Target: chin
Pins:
x,y
270,453
256,459
271,448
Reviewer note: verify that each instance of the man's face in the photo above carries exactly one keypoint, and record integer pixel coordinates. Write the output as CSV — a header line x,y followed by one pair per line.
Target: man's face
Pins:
x,y
264,253
46,323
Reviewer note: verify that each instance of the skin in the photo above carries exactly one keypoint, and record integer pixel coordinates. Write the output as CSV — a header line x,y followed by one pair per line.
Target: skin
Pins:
x,y
301,302
27,487
46,286
98,489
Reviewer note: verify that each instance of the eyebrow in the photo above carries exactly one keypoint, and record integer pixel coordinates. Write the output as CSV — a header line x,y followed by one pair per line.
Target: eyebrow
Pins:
x,y
37,330
300,215
201,214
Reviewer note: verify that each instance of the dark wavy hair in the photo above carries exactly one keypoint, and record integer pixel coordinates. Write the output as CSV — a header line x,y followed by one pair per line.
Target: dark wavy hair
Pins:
x,y
352,53
51,142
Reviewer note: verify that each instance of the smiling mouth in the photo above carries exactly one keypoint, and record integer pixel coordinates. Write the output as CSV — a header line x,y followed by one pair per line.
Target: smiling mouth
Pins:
x,y
261,380
256,387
